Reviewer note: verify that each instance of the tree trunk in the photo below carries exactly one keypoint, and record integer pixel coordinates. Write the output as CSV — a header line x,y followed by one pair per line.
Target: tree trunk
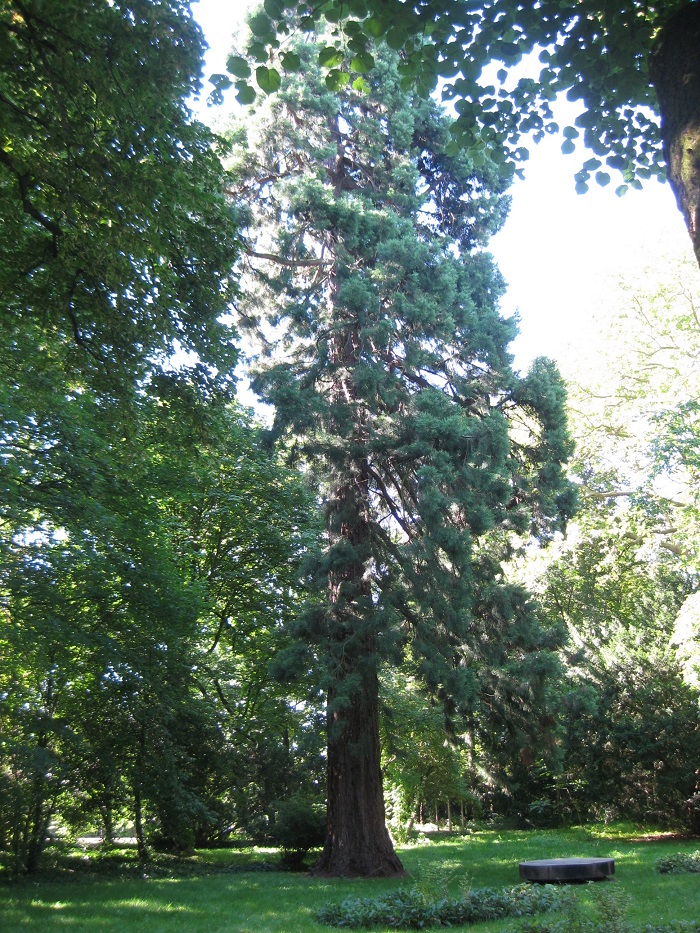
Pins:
x,y
357,840
141,847
674,67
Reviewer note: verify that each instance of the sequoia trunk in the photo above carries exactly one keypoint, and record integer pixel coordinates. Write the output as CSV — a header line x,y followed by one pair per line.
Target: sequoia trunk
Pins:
x,y
674,67
357,841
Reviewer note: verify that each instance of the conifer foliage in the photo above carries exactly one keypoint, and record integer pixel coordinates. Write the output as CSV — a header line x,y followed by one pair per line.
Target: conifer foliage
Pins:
x,y
375,307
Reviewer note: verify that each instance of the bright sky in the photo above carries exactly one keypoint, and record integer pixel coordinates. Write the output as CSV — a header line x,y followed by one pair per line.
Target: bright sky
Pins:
x,y
562,254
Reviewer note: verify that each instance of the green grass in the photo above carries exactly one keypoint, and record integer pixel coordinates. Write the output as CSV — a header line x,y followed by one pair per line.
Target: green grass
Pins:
x,y
286,903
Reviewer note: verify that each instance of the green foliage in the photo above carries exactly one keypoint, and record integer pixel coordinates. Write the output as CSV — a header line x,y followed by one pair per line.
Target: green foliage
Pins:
x,y
430,398
596,55
610,911
116,241
299,825
680,862
412,909
134,600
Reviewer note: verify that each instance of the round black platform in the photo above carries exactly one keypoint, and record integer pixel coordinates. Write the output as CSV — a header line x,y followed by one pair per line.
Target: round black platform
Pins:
x,y
567,869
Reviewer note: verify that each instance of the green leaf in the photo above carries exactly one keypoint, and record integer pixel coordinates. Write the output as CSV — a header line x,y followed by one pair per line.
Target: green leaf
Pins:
x,y
568,147
621,190
602,178
291,61
238,66
374,27
362,63
268,79
592,164
222,82
258,51
447,68
330,57
396,37
361,86
261,25
246,94
274,8
581,187
337,79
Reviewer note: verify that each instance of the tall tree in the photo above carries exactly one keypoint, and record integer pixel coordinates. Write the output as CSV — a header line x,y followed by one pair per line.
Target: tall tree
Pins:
x,y
115,238
382,350
628,64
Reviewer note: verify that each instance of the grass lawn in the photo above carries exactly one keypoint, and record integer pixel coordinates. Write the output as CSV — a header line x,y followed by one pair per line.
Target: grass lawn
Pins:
x,y
286,903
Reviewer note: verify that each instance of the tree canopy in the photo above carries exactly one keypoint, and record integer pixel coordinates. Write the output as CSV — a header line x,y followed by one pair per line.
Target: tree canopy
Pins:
x,y
627,64
115,238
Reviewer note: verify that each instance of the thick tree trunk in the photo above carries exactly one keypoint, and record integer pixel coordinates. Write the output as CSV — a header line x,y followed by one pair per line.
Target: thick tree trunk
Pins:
x,y
357,841
674,67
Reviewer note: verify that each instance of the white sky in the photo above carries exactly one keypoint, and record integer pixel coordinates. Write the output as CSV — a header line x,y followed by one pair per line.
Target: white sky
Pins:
x,y
561,253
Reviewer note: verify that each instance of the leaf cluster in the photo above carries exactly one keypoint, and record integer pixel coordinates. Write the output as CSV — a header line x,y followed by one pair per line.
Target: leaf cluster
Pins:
x,y
412,909
596,54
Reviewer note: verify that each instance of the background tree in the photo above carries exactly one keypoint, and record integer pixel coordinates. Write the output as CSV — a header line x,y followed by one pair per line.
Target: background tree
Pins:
x,y
386,360
627,64
137,626
116,241
627,577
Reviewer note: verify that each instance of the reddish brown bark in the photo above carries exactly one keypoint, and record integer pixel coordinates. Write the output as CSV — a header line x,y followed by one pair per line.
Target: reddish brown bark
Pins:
x,y
674,68
357,840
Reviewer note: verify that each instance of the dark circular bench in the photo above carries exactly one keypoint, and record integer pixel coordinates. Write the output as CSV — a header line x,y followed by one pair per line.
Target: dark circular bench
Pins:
x,y
567,869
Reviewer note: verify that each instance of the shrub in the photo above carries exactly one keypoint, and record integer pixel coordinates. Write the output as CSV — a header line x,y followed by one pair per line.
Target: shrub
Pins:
x,y
412,909
299,826
609,917
678,863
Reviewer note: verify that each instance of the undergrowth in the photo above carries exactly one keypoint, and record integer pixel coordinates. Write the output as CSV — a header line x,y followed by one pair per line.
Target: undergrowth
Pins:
x,y
413,909
678,863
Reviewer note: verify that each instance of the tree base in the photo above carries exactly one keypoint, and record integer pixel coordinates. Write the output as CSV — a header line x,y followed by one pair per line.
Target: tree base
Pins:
x,y
358,865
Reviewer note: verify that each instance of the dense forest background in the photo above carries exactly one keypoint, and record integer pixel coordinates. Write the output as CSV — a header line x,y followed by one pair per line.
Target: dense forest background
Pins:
x,y
190,594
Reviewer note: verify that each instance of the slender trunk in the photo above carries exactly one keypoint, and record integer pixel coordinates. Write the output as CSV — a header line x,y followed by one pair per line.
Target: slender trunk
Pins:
x,y
449,816
107,824
674,67
141,846
39,826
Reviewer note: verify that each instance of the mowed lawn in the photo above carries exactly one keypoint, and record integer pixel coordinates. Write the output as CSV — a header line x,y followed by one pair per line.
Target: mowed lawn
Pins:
x,y
287,903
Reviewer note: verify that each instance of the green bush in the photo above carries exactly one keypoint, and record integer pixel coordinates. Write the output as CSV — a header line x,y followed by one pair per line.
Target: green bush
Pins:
x,y
412,909
609,916
678,863
299,825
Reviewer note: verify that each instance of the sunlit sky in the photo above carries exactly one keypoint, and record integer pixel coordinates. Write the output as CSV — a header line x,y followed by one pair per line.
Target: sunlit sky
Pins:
x,y
562,254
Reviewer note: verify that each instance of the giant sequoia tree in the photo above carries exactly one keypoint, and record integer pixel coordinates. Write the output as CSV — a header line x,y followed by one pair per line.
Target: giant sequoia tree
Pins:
x,y
382,350
628,63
